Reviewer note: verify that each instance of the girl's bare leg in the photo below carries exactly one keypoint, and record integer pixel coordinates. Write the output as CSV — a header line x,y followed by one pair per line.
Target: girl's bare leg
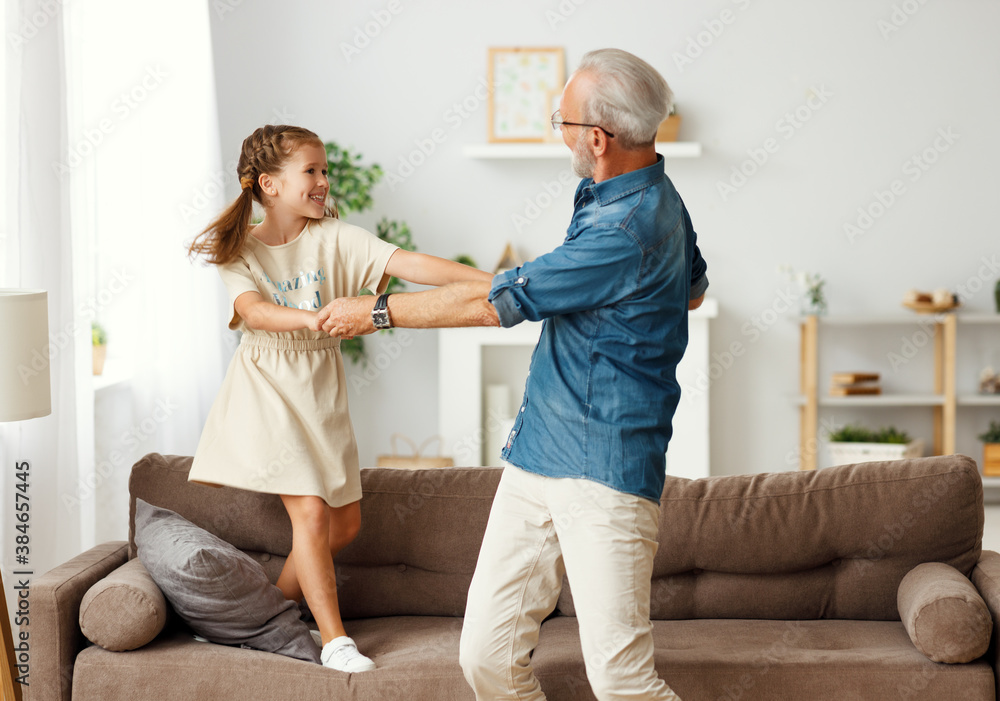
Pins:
x,y
309,569
345,521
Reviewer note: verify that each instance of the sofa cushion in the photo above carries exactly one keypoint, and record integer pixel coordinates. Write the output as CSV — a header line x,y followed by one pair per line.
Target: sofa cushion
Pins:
x,y
733,660
125,610
944,615
219,591
416,658
415,554
830,543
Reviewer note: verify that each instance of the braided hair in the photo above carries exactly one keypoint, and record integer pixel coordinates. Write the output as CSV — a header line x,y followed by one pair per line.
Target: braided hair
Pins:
x,y
265,151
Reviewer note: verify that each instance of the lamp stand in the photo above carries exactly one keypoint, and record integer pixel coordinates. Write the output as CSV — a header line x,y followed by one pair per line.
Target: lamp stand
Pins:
x,y
10,689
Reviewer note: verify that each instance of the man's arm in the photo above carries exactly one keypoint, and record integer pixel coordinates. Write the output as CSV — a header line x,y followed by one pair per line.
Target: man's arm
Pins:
x,y
455,305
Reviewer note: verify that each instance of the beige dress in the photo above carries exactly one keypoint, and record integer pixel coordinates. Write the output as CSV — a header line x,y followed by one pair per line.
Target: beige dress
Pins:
x,y
280,423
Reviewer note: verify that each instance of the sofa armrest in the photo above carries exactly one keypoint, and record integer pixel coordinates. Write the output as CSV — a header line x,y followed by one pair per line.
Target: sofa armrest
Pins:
x,y
986,576
54,622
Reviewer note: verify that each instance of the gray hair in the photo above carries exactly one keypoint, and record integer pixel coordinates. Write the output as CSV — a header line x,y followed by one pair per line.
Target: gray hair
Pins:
x,y
629,97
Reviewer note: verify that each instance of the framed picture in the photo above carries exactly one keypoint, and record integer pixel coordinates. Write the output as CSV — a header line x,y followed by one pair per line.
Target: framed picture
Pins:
x,y
550,108
521,81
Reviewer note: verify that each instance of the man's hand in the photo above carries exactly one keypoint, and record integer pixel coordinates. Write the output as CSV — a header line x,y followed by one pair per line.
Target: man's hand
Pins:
x,y
347,317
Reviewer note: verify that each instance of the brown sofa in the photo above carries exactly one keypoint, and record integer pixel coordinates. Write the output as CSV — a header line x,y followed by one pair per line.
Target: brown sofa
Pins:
x,y
766,586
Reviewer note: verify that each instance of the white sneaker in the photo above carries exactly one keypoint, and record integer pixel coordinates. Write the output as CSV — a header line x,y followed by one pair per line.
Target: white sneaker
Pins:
x,y
342,654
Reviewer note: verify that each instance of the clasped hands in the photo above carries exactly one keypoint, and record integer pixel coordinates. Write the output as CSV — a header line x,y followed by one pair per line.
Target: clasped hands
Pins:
x,y
346,317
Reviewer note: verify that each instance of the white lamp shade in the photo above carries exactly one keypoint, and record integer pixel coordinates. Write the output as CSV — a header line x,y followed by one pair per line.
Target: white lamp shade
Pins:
x,y
24,355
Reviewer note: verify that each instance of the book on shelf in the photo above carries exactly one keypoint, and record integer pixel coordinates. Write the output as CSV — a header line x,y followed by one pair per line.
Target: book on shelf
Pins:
x,y
853,390
853,378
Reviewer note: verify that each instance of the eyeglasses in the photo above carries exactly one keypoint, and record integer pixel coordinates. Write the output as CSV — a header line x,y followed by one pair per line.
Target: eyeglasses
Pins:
x,y
558,123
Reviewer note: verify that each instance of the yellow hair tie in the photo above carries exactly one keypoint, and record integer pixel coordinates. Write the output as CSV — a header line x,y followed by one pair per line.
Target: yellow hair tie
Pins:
x,y
246,183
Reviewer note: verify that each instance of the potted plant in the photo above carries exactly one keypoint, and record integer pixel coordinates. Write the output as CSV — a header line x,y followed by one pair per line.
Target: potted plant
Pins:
x,y
854,443
99,338
351,184
991,449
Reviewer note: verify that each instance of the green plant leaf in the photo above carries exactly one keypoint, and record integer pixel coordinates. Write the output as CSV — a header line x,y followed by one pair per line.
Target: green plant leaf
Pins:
x,y
992,435
856,433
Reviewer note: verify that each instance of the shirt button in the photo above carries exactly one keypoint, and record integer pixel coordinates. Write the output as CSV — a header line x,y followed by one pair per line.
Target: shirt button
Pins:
x,y
520,281
522,410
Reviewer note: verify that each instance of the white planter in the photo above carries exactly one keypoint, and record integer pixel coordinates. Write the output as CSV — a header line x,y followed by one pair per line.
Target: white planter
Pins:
x,y
850,453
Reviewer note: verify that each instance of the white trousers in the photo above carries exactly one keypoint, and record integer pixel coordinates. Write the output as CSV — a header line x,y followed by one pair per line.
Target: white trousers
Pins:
x,y
604,540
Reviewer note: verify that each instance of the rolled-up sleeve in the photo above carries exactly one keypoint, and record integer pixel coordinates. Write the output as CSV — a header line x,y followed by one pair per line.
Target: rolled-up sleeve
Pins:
x,y
589,271
699,280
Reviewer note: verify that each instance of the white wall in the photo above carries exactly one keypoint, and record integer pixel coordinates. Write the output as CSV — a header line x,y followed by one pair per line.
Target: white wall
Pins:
x,y
887,89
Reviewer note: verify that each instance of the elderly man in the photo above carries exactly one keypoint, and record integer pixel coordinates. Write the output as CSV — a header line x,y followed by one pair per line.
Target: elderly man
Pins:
x,y
592,431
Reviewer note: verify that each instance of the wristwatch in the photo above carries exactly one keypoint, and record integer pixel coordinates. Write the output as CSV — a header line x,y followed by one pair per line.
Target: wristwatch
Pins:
x,y
380,313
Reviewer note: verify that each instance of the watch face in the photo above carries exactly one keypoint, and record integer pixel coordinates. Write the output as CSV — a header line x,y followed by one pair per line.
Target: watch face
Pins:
x,y
380,317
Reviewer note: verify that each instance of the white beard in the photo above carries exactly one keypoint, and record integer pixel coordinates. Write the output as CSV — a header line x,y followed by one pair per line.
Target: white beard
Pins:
x,y
584,160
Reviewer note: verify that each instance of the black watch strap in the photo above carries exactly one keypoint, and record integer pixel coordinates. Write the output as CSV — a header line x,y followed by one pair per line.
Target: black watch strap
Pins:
x,y
380,313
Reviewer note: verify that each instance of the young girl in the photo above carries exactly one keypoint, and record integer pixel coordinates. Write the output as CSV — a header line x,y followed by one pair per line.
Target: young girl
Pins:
x,y
280,423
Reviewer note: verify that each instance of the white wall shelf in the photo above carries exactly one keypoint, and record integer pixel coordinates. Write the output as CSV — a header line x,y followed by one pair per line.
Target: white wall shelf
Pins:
x,y
978,319
558,150
884,400
979,400
872,320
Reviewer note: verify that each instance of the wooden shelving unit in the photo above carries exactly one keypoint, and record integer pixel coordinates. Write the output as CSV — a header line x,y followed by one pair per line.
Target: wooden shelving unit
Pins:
x,y
943,402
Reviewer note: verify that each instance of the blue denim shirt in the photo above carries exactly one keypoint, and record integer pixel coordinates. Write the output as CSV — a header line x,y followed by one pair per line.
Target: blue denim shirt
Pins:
x,y
602,388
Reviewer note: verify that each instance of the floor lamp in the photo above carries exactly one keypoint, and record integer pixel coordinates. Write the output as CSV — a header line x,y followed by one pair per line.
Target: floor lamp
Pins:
x,y
24,394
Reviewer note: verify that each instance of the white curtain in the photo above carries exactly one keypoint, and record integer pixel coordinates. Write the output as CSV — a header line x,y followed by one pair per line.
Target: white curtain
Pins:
x,y
144,159
111,164
38,252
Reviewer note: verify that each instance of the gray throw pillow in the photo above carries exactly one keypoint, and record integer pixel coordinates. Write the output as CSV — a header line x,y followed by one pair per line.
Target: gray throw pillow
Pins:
x,y
219,591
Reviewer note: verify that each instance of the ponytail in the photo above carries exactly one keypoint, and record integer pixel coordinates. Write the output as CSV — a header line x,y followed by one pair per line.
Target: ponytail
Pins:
x,y
222,240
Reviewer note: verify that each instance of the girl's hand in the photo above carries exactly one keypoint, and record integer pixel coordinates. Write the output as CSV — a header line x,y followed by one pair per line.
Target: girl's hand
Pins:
x,y
347,317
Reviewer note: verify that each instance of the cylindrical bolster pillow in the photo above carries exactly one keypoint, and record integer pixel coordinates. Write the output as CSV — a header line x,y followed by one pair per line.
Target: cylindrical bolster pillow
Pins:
x,y
943,613
125,610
